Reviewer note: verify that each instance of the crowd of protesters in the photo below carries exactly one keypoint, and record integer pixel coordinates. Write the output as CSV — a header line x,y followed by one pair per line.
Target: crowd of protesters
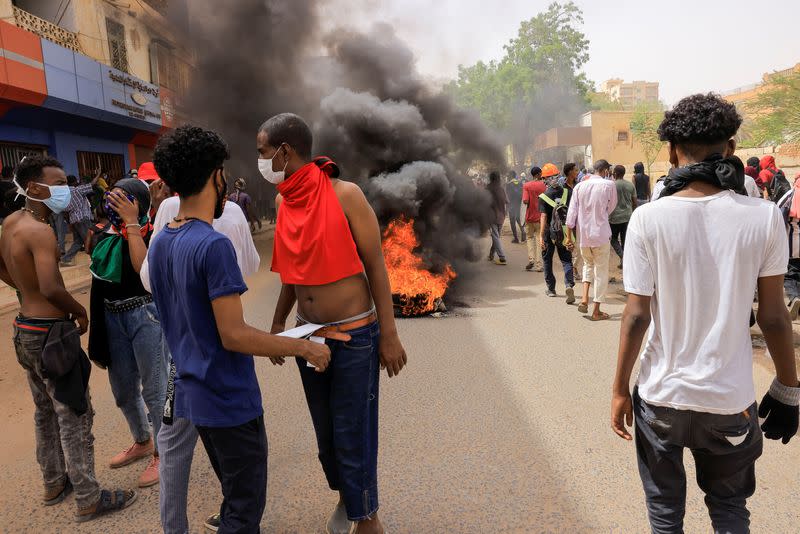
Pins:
x,y
170,241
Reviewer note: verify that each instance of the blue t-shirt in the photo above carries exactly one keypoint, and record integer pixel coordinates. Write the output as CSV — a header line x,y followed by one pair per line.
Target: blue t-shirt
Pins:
x,y
189,267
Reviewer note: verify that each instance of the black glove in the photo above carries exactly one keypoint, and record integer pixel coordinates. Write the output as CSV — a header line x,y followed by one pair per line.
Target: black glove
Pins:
x,y
781,420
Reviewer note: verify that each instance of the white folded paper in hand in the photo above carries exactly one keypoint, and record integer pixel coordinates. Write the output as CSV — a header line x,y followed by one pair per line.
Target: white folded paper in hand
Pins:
x,y
304,332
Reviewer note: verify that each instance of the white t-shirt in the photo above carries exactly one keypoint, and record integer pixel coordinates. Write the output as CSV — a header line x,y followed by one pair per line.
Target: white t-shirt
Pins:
x,y
232,224
751,187
700,259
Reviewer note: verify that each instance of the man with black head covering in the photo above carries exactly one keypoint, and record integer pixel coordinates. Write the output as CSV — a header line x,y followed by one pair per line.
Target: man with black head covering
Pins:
x,y
692,263
125,334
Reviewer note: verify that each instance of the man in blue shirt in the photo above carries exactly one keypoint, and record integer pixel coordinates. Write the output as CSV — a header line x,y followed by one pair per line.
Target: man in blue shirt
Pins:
x,y
197,287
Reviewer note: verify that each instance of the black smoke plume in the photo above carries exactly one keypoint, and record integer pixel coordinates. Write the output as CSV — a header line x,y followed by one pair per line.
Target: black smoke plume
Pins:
x,y
408,146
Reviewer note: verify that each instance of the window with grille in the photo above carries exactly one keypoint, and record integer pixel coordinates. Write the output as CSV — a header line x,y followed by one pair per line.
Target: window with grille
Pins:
x,y
12,154
113,164
168,70
622,136
116,45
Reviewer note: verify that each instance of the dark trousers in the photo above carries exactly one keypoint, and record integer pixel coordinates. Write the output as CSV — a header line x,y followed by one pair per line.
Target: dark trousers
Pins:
x,y
725,449
566,262
343,402
514,219
239,457
791,281
618,234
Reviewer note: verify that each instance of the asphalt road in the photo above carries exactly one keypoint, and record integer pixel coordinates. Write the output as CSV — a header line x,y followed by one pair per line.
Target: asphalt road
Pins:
x,y
498,424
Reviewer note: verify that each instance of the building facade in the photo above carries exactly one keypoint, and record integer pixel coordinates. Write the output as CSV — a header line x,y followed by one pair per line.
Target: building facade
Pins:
x,y
89,82
630,94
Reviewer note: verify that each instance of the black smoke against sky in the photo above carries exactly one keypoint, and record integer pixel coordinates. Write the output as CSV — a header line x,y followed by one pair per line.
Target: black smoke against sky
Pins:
x,y
408,146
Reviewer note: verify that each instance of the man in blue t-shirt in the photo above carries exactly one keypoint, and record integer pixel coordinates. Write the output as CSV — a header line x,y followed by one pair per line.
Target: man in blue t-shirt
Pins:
x,y
197,287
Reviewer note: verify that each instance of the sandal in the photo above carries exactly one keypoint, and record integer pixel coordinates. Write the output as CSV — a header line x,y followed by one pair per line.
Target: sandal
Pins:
x,y
603,317
107,503
60,496
583,307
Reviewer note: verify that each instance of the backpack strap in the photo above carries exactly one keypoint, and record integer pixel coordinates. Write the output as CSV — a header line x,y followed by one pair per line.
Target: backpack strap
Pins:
x,y
549,201
564,197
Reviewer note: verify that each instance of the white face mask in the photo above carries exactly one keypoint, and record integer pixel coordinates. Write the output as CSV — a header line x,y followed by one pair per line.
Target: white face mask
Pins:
x,y
265,167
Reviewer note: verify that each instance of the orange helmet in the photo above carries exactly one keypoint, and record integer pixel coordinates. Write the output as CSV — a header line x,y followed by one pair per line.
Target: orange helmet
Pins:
x,y
549,170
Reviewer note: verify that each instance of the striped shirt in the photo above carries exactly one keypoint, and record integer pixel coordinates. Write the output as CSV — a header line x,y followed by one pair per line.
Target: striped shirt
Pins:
x,y
79,208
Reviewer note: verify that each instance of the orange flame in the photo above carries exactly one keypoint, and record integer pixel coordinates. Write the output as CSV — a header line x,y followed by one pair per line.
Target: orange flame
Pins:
x,y
415,287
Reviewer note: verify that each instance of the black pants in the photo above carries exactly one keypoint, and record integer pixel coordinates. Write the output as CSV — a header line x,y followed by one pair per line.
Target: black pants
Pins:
x,y
239,457
725,449
618,234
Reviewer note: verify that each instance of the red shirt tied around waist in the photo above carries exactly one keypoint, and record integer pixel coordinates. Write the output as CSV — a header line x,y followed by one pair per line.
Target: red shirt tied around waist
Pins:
x,y
313,243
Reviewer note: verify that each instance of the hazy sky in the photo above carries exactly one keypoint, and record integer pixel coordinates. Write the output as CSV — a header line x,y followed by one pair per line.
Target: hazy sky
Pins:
x,y
686,45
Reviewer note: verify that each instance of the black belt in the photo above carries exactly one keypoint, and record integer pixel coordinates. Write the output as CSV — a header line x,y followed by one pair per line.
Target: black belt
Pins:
x,y
119,306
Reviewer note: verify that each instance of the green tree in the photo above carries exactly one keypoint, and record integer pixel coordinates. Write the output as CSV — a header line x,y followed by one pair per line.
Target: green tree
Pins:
x,y
537,84
645,120
775,112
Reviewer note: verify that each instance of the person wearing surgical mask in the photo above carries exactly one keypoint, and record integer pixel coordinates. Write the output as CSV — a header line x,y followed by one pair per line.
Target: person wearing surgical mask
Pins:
x,y
49,317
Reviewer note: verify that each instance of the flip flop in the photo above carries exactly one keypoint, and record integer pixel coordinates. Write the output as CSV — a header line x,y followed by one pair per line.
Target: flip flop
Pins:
x,y
66,490
583,308
108,502
603,317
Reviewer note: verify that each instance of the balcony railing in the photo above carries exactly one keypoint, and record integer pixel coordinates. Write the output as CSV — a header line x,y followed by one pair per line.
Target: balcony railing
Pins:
x,y
47,30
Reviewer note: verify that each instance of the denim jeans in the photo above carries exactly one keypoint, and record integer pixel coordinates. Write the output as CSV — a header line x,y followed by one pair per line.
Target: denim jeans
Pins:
x,y
138,369
343,402
64,440
238,456
566,262
79,231
497,245
725,449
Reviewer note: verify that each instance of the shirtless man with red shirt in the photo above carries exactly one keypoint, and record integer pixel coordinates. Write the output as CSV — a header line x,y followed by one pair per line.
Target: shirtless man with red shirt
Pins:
x,y
328,252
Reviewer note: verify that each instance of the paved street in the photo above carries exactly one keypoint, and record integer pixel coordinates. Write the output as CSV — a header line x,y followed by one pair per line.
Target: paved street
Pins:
x,y
498,424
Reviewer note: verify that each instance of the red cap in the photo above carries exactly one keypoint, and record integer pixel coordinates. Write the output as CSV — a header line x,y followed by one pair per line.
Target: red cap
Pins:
x,y
147,172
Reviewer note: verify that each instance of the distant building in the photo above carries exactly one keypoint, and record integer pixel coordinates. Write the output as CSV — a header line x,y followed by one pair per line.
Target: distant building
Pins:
x,y
90,82
630,94
742,95
601,135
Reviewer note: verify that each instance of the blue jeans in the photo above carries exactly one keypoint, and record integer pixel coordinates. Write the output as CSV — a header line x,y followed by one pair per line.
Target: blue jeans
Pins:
x,y
343,402
497,245
138,369
566,262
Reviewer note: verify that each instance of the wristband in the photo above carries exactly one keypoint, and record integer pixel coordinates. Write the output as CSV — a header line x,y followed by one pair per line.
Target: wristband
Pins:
x,y
784,394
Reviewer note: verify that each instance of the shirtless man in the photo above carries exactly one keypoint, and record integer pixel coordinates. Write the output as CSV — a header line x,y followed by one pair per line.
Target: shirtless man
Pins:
x,y
328,253
29,262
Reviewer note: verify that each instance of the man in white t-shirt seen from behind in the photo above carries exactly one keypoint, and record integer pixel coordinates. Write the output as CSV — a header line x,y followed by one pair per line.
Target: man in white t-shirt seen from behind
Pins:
x,y
692,263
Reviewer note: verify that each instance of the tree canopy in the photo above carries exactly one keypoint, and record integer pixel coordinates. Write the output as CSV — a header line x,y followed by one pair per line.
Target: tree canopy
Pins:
x,y
775,112
646,118
537,85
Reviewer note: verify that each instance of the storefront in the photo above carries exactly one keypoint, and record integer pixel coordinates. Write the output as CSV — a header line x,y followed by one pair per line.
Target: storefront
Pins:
x,y
62,103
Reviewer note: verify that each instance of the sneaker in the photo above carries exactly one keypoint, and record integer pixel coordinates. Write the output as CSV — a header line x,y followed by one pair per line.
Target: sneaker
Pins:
x,y
500,261
539,269
794,308
550,293
491,258
212,523
149,476
570,296
135,452
529,267
338,522
515,241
